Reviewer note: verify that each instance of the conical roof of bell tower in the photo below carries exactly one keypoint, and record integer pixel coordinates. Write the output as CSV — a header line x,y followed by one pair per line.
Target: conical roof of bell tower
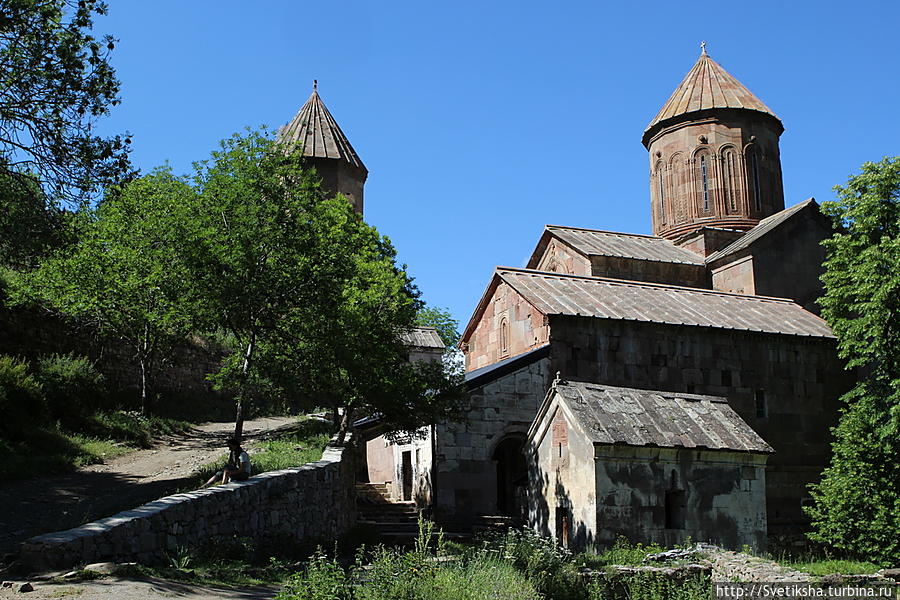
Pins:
x,y
706,86
316,131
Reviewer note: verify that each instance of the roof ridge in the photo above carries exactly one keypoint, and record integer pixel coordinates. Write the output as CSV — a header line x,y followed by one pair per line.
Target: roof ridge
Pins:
x,y
622,233
645,284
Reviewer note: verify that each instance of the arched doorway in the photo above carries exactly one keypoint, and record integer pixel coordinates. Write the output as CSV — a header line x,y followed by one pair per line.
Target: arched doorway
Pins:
x,y
512,476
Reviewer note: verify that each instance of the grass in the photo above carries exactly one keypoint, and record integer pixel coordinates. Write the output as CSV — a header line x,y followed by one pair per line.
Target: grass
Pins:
x,y
622,552
50,450
821,566
299,445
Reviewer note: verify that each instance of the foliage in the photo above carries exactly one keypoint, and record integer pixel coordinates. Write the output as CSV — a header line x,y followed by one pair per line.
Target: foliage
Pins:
x,y
73,387
312,295
131,428
125,274
649,585
43,451
622,552
857,503
548,566
30,225
56,82
22,401
441,319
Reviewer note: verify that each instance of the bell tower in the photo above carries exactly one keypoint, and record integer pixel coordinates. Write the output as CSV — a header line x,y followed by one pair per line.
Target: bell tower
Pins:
x,y
327,149
714,157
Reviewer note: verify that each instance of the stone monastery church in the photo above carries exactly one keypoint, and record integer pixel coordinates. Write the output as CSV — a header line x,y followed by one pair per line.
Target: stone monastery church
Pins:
x,y
655,387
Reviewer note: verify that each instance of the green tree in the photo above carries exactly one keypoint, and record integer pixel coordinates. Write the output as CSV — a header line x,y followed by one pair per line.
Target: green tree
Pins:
x,y
30,226
441,319
312,294
56,81
125,276
857,503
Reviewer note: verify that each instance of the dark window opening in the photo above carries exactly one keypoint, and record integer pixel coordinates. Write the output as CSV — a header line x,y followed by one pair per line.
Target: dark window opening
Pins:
x,y
704,183
689,388
754,179
504,336
762,407
661,187
563,526
675,509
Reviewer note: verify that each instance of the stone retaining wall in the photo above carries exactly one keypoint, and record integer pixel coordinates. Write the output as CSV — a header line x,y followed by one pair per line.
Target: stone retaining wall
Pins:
x,y
313,502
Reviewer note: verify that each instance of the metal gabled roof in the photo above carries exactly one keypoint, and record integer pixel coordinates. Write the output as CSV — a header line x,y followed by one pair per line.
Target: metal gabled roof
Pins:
x,y
634,417
594,242
761,229
601,297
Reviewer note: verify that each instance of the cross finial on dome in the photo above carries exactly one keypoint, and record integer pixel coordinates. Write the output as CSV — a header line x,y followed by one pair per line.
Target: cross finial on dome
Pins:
x,y
703,48
315,85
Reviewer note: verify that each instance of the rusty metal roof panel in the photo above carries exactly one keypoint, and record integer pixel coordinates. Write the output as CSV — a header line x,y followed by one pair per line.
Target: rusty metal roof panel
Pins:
x,y
422,337
316,131
560,294
761,229
592,242
707,85
633,417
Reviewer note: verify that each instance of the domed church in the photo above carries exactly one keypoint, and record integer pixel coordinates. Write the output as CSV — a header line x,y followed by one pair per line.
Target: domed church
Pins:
x,y
658,387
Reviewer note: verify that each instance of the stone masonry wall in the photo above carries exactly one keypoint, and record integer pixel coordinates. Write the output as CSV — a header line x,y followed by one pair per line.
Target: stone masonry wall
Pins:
x,y
308,503
785,387
466,474
525,329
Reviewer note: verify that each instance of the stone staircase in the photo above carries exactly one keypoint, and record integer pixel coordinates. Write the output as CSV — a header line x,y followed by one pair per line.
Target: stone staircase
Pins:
x,y
398,522
394,522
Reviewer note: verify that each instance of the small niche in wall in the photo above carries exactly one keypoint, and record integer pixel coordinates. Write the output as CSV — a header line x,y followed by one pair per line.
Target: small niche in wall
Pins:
x,y
675,509
726,378
762,404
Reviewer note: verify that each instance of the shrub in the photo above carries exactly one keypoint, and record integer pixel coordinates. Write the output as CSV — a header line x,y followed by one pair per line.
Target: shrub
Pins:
x,y
22,402
648,585
73,387
323,579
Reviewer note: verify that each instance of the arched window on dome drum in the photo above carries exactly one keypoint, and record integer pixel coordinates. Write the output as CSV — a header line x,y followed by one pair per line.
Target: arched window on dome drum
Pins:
x,y
753,175
660,193
729,194
676,178
704,182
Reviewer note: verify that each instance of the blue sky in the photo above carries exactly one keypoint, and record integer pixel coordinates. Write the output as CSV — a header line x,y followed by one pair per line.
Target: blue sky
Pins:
x,y
480,122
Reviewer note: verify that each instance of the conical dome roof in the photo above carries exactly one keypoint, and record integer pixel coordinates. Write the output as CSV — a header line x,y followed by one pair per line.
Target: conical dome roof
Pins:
x,y
316,131
707,85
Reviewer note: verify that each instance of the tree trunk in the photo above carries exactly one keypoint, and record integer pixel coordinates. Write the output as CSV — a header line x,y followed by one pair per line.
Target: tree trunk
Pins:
x,y
143,386
345,426
242,393
336,416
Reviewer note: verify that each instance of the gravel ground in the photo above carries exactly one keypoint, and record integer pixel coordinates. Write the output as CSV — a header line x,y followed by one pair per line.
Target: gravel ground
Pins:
x,y
56,503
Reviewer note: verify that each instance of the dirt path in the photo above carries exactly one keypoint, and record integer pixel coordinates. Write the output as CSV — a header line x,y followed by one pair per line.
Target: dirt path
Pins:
x,y
114,588
45,504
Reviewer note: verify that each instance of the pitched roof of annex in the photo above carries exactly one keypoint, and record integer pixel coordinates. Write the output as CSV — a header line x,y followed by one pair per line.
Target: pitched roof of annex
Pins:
x,y
422,337
708,86
633,417
617,299
760,230
595,242
315,130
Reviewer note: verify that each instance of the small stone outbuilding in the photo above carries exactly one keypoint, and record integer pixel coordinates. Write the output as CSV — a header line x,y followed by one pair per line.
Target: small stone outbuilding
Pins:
x,y
651,466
